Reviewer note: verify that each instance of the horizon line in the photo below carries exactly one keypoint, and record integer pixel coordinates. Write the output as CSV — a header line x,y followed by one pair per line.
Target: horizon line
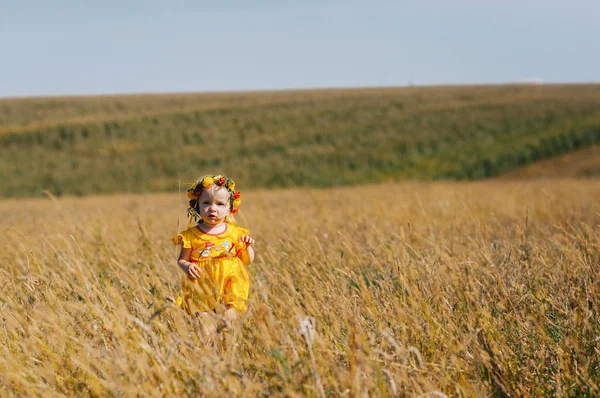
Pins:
x,y
525,82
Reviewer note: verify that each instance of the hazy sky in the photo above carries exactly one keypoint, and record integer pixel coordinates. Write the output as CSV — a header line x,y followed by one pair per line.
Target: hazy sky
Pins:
x,y
109,46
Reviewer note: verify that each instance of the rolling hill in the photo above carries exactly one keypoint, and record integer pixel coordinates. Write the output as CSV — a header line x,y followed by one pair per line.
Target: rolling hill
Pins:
x,y
145,143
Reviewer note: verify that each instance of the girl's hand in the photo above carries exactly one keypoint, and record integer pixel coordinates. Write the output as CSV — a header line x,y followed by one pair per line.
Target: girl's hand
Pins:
x,y
247,240
194,272
245,250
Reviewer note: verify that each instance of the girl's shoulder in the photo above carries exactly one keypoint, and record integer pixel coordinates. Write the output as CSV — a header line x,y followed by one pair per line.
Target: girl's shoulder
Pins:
x,y
237,230
185,238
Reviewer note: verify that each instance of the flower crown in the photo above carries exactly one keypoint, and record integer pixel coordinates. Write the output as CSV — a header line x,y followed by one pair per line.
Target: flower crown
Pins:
x,y
194,191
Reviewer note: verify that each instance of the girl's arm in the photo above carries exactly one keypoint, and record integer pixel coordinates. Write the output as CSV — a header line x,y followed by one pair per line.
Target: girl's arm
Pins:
x,y
190,269
247,254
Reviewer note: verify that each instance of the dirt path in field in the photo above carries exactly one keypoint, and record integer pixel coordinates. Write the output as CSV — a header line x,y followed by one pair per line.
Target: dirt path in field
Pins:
x,y
584,163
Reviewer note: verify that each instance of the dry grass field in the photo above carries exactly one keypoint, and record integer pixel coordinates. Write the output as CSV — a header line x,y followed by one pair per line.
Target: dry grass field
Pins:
x,y
416,289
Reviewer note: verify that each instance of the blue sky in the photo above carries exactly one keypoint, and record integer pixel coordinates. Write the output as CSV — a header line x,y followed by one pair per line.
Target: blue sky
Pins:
x,y
66,47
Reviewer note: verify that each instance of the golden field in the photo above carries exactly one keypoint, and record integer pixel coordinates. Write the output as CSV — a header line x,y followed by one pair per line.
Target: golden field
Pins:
x,y
416,289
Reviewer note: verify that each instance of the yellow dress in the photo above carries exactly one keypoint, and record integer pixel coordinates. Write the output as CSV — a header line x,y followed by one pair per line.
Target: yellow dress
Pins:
x,y
225,280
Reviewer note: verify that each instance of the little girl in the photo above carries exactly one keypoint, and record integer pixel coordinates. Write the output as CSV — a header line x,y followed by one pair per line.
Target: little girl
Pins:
x,y
214,254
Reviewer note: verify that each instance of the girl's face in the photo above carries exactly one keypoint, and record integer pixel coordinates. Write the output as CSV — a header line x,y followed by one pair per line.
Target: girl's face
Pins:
x,y
214,205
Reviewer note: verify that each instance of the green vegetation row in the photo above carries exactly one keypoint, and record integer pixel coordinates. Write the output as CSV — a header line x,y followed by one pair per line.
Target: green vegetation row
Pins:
x,y
18,114
318,139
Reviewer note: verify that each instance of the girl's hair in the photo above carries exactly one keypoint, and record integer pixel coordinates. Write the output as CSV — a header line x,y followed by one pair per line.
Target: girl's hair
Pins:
x,y
206,182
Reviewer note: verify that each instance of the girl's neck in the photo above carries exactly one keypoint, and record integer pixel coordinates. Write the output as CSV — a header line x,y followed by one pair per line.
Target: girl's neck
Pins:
x,y
213,229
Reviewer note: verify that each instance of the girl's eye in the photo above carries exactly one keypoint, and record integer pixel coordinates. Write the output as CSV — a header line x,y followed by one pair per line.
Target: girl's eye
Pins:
x,y
205,203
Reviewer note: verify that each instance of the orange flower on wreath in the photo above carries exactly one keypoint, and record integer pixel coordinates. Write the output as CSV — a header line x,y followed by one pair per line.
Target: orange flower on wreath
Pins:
x,y
234,210
192,195
237,195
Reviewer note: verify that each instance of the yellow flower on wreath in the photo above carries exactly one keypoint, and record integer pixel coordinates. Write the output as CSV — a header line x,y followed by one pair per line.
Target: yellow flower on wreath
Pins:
x,y
237,202
231,185
207,182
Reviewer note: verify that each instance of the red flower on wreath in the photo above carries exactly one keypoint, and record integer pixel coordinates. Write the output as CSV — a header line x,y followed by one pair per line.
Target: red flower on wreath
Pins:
x,y
237,195
235,210
221,181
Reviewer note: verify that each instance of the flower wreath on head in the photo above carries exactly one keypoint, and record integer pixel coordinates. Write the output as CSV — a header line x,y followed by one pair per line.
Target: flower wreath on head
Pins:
x,y
194,191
